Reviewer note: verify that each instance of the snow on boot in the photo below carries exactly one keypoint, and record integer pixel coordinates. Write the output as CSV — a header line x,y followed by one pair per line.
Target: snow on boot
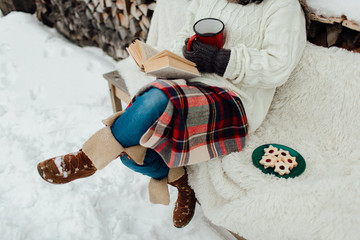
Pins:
x,y
185,205
64,169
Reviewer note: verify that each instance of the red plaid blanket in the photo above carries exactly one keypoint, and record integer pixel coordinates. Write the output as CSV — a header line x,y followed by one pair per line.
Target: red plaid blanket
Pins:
x,y
199,123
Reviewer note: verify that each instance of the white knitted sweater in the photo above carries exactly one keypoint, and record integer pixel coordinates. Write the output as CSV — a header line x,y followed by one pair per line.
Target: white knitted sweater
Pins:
x,y
266,42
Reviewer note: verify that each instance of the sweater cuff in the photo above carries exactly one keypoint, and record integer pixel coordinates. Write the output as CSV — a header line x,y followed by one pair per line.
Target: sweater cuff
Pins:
x,y
234,69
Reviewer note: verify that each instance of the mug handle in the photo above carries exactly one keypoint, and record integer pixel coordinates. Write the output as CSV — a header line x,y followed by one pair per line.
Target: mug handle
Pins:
x,y
190,41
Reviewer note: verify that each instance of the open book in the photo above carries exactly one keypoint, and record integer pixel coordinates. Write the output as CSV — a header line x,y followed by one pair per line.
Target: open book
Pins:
x,y
163,64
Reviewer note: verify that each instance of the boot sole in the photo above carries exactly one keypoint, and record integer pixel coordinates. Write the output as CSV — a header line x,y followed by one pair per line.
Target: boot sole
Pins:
x,y
185,223
60,180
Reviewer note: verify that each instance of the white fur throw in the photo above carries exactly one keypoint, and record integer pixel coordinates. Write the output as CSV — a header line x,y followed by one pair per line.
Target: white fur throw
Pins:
x,y
317,112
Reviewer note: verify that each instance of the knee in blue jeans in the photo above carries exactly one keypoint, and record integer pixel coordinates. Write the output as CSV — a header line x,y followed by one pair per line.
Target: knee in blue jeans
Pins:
x,y
139,117
154,100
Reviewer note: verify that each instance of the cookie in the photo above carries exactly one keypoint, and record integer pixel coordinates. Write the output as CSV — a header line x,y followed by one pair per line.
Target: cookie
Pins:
x,y
271,150
281,168
284,153
290,161
268,161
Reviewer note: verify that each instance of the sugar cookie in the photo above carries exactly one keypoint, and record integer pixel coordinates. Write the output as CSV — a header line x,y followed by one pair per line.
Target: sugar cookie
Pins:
x,y
271,150
281,168
268,161
283,153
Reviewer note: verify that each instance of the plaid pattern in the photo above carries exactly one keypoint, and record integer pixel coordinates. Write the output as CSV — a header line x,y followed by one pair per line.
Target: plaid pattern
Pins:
x,y
200,122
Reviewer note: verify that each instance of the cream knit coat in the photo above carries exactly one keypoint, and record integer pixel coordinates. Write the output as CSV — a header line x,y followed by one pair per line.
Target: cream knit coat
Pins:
x,y
266,42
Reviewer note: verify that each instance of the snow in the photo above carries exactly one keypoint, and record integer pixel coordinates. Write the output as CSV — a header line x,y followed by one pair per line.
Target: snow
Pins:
x,y
52,98
59,161
336,8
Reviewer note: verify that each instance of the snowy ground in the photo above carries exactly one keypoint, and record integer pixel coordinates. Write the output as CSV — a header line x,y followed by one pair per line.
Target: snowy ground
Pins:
x,y
52,98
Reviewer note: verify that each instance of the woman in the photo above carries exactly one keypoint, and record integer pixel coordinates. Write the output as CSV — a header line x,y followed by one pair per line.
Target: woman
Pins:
x,y
174,123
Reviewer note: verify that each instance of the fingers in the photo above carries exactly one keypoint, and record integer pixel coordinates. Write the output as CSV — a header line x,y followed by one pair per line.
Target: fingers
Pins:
x,y
186,41
187,54
195,44
199,46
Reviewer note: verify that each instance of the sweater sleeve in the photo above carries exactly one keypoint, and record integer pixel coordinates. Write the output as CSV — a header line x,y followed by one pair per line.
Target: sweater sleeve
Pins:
x,y
284,39
187,29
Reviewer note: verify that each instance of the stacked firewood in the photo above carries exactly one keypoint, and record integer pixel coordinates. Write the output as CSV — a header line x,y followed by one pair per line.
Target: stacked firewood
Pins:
x,y
334,31
7,6
109,24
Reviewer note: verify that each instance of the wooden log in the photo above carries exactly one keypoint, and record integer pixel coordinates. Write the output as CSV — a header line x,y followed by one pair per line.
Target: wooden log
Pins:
x,y
134,26
124,19
136,13
146,21
321,39
314,29
104,16
108,3
143,8
123,32
113,10
351,25
329,20
100,7
152,6
88,13
120,4
116,21
92,7
144,30
108,21
97,18
333,32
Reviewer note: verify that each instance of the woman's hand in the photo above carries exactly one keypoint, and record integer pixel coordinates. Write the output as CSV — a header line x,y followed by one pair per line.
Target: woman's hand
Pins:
x,y
208,58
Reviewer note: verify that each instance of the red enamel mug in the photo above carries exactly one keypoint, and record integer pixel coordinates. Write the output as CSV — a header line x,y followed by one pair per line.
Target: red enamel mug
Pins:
x,y
208,31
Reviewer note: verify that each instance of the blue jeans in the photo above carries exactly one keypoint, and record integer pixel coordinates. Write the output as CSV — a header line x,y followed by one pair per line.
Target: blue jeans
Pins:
x,y
134,122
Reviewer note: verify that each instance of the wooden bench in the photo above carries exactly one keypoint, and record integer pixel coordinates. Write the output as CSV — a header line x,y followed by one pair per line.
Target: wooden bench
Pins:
x,y
118,90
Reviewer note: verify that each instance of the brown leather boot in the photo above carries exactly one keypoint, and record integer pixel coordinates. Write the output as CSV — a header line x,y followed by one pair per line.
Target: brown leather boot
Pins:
x,y
64,169
185,205
97,152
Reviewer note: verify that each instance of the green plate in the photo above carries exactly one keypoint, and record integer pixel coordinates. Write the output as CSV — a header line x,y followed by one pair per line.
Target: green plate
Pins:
x,y
296,171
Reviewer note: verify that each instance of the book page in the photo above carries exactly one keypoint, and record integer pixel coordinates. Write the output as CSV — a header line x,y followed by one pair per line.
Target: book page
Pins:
x,y
140,52
136,55
168,61
170,72
172,55
147,51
